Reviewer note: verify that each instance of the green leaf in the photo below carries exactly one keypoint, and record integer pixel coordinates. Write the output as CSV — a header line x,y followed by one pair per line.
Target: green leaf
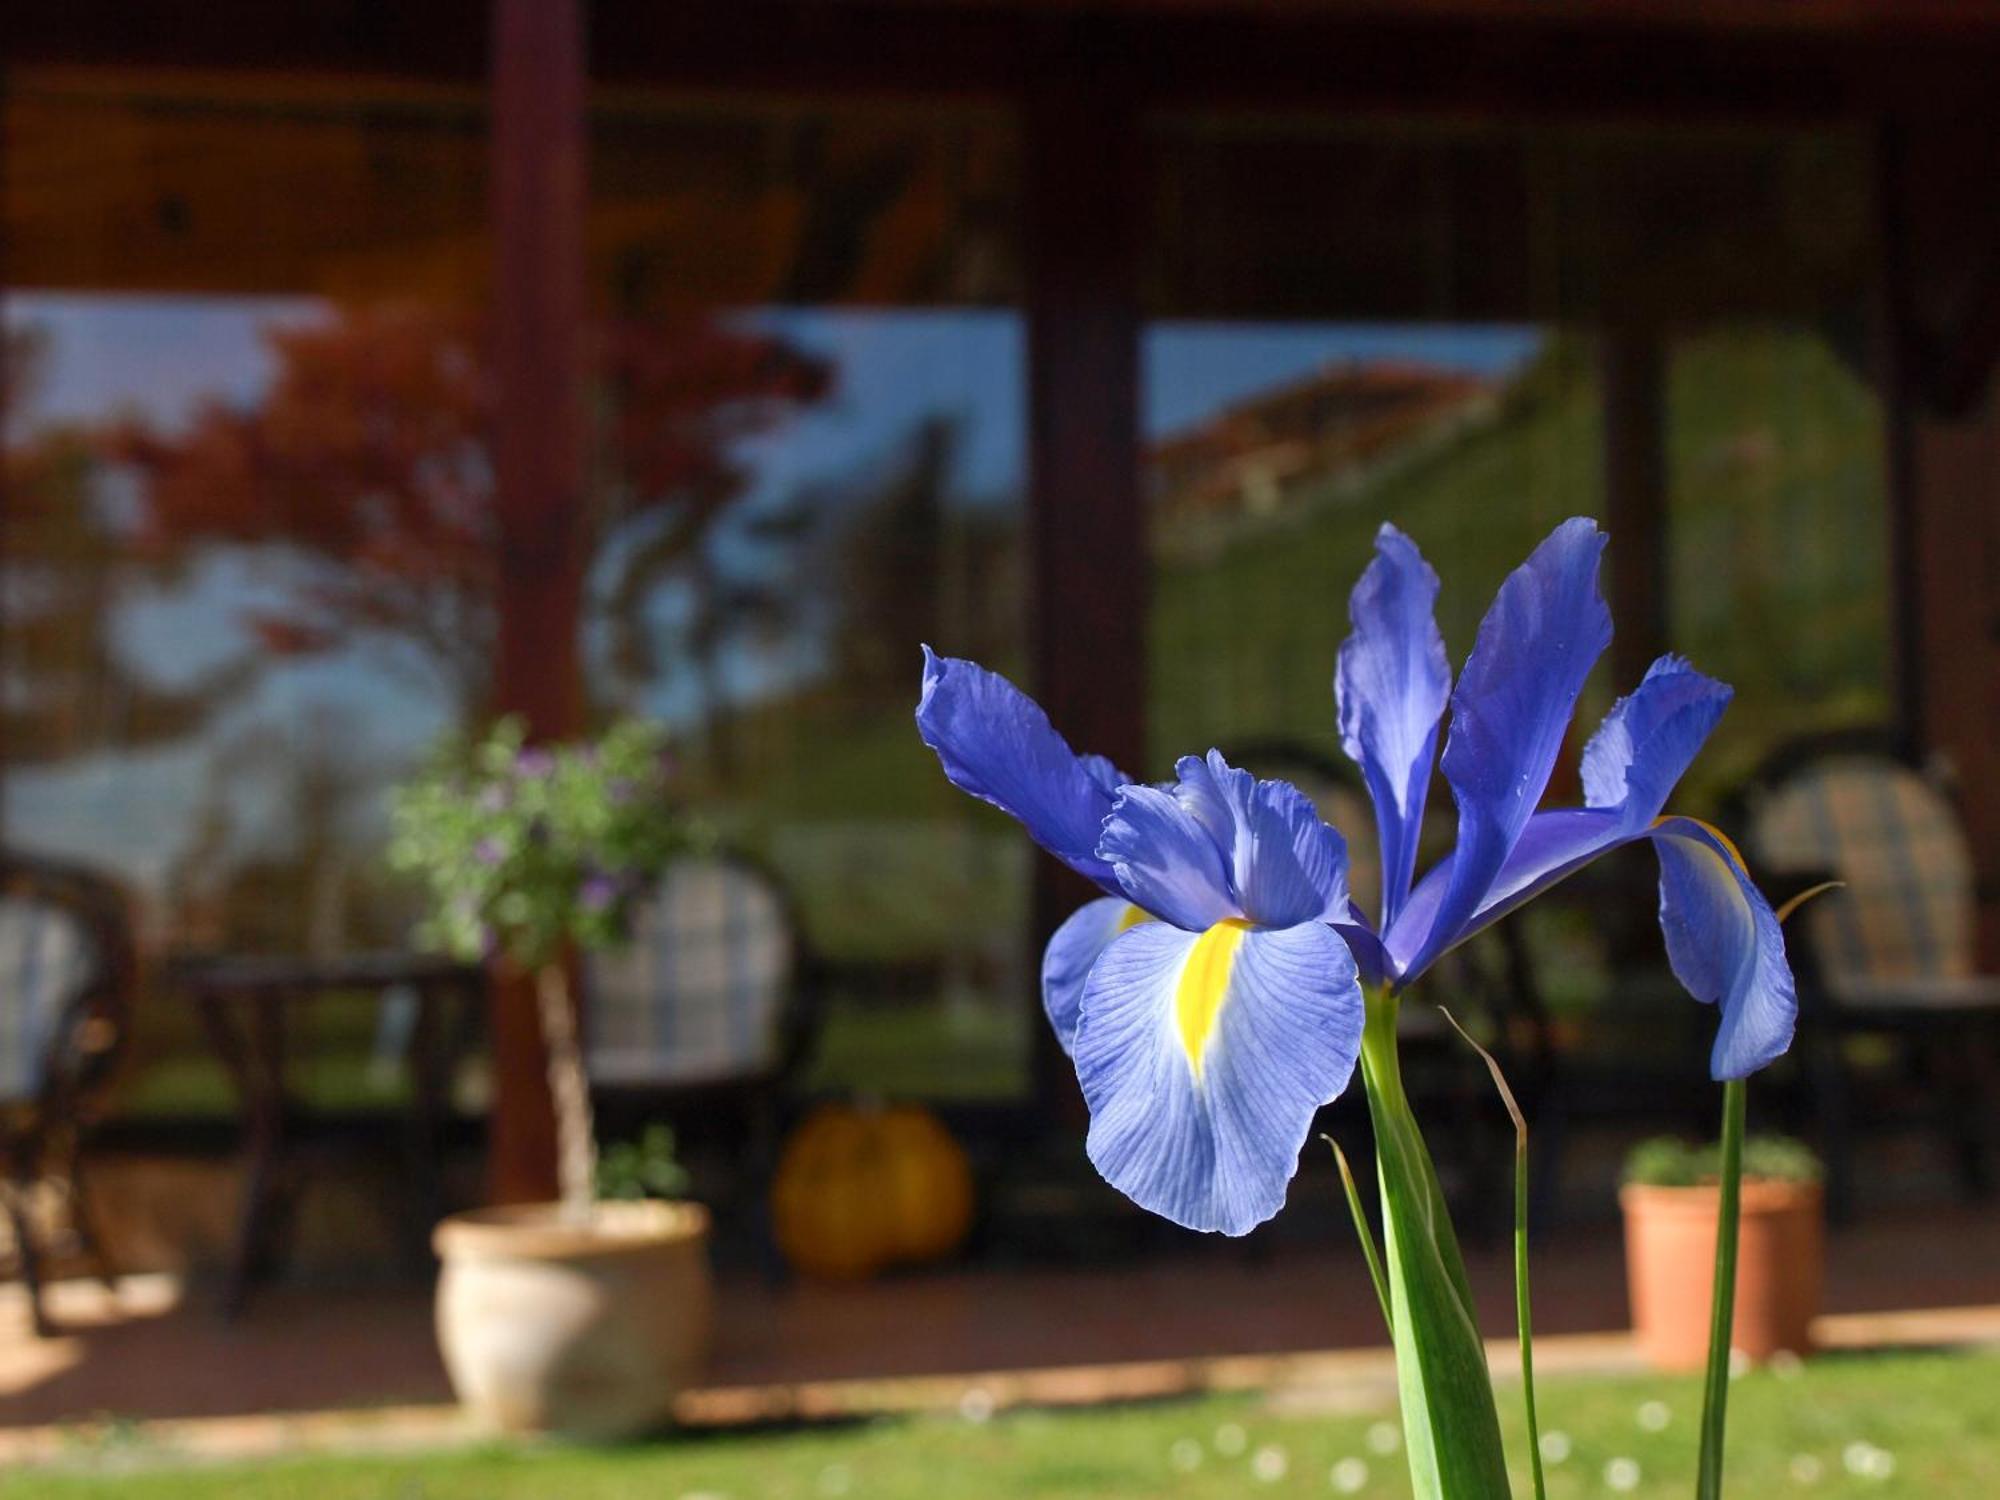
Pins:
x,y
1449,1419
1366,1235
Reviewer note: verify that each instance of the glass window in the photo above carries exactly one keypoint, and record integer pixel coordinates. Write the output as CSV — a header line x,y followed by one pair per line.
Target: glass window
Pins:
x,y
1423,323
811,458
245,576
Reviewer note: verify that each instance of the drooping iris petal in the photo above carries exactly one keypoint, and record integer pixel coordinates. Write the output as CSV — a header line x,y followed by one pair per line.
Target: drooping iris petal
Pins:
x,y
1165,860
1390,688
995,742
1072,950
1725,945
1537,644
1203,1058
1630,767
1286,865
1650,737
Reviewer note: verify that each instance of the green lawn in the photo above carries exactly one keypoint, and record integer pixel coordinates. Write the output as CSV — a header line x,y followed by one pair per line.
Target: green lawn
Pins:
x,y
1926,1425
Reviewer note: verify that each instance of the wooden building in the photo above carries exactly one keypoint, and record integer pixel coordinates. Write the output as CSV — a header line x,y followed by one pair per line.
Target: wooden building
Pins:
x,y
1627,173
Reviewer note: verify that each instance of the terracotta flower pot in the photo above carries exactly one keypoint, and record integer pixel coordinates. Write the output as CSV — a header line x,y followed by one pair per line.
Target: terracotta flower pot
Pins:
x,y
587,1329
1670,1269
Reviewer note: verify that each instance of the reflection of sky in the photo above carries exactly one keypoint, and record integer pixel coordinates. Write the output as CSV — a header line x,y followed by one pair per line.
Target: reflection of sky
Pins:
x,y
162,356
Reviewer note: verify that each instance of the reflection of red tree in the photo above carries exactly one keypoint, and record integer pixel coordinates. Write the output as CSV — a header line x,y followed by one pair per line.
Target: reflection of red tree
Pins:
x,y
366,463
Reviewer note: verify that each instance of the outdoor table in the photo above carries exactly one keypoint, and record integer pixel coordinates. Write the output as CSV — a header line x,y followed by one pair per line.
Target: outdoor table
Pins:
x,y
245,1003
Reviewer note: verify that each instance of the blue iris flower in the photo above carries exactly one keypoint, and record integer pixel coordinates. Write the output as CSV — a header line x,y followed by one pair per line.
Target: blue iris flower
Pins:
x,y
1211,999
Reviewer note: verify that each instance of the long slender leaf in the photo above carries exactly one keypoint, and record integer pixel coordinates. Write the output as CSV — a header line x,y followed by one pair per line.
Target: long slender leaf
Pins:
x,y
1722,1310
1450,1423
1364,1233
1524,1322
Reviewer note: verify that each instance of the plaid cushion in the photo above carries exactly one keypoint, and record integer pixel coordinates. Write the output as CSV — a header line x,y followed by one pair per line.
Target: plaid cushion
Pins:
x,y
698,994
1906,912
45,961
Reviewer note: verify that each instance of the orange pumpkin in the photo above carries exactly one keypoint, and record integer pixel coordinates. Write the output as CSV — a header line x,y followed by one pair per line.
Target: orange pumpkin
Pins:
x,y
861,1188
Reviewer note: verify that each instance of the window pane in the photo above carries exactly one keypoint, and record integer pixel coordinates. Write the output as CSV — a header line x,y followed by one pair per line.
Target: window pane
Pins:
x,y
245,574
810,461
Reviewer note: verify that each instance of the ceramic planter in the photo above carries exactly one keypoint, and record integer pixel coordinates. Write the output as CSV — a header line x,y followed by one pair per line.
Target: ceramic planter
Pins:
x,y
585,1329
1670,1269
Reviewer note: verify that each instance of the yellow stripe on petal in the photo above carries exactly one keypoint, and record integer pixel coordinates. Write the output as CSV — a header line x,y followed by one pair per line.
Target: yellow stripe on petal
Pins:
x,y
1713,832
1132,916
1204,985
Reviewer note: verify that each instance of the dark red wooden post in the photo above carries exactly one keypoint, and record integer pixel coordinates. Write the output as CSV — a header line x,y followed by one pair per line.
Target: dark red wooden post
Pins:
x,y
1941,299
538,82
1633,371
1086,519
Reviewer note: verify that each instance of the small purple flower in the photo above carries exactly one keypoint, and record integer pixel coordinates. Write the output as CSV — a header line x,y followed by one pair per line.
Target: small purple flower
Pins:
x,y
599,894
534,762
620,791
489,851
494,799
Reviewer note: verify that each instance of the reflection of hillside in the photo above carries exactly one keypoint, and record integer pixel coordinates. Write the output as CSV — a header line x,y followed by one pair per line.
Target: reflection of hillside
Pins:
x,y
1329,435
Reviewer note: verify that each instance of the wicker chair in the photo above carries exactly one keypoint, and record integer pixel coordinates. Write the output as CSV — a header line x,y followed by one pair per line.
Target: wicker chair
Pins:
x,y
66,979
706,1017
1895,1018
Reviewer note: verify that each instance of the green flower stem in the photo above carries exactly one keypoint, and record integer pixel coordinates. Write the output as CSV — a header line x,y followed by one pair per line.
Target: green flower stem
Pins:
x,y
1450,1422
1722,1311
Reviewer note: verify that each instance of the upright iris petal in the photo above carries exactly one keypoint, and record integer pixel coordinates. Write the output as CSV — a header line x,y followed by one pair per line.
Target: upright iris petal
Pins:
x,y
995,742
1511,708
1630,768
1390,688
1723,939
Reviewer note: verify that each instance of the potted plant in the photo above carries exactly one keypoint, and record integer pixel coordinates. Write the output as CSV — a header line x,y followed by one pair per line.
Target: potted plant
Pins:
x,y
1671,1203
584,1316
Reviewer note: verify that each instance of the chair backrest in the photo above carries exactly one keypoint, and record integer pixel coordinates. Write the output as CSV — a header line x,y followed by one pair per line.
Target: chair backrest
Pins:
x,y
1868,818
702,992
56,952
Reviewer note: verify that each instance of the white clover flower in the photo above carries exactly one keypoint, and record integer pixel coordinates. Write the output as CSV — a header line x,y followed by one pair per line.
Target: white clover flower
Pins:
x,y
1231,1439
1556,1446
1384,1438
1622,1474
1185,1455
1349,1476
1805,1469
1654,1416
1270,1463
1866,1461
836,1480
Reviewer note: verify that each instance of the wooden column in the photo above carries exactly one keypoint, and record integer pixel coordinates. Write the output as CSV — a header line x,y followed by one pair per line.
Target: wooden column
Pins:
x,y
1632,369
1086,517
1941,298
537,186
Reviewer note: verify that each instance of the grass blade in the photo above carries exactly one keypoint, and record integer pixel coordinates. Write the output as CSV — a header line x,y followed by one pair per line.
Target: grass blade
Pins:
x,y
1524,1323
1722,1310
1367,1235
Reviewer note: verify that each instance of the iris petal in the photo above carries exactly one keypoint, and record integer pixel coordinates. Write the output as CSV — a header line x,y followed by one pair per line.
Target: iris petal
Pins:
x,y
1630,768
1200,1101
1649,738
1390,689
1537,644
1286,865
1165,859
1725,945
995,742
1072,950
